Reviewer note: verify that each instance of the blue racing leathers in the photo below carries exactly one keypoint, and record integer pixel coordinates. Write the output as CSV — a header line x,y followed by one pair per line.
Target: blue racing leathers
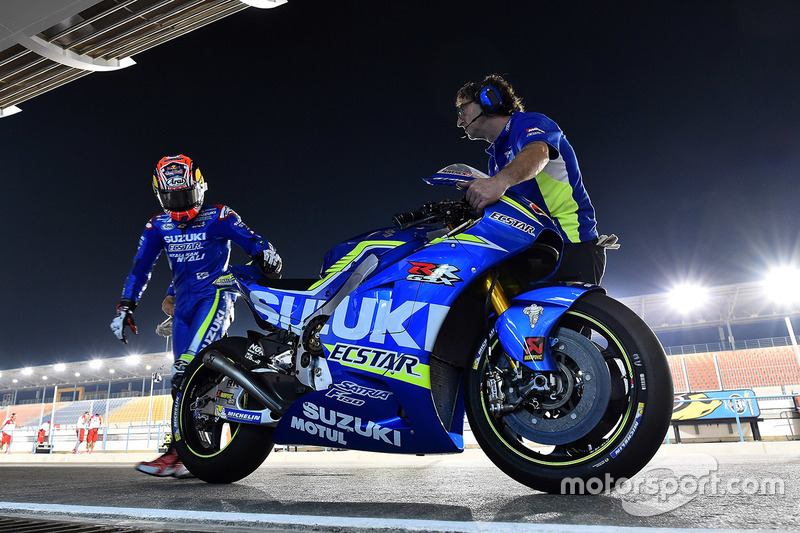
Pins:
x,y
198,252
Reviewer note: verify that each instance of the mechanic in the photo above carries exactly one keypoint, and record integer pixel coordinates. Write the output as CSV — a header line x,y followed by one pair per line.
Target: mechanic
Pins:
x,y
529,154
197,239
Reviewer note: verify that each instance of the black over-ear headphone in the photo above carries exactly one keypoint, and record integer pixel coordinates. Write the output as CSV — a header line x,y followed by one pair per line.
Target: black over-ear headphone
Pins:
x,y
490,100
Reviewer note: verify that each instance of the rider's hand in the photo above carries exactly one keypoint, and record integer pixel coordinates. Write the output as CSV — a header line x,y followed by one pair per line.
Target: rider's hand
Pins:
x,y
124,318
168,305
483,192
270,262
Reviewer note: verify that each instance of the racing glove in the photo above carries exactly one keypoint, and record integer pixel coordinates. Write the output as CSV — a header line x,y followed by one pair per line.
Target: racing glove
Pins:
x,y
270,263
124,318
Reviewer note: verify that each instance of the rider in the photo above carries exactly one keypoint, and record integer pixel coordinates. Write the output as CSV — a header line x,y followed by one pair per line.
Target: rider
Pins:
x,y
530,155
197,239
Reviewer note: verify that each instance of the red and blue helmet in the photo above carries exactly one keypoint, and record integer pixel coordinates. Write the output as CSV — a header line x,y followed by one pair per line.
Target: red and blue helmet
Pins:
x,y
179,186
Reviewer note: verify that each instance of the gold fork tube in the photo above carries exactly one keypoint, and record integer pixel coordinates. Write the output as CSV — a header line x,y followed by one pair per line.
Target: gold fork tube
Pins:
x,y
498,296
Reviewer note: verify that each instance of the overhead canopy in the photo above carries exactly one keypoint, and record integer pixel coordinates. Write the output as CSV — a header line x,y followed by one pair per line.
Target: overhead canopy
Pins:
x,y
47,43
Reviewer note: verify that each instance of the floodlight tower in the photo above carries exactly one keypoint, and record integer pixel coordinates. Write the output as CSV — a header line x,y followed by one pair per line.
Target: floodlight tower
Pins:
x,y
782,286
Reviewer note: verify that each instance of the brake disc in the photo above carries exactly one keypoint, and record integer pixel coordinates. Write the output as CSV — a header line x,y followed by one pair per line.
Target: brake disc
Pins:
x,y
589,393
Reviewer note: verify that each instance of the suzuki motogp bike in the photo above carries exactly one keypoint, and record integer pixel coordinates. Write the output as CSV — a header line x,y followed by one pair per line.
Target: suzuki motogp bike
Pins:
x,y
410,328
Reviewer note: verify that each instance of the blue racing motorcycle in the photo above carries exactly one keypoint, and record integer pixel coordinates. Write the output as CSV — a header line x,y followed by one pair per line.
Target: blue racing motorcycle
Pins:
x,y
410,328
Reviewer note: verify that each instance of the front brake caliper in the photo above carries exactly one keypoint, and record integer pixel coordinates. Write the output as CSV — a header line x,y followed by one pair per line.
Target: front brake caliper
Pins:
x,y
494,391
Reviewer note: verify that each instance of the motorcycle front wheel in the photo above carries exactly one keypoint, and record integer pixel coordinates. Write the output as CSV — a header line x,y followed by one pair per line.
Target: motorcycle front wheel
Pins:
x,y
216,450
591,425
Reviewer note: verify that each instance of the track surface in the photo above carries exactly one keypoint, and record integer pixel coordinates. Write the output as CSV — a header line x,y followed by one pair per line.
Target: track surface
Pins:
x,y
690,490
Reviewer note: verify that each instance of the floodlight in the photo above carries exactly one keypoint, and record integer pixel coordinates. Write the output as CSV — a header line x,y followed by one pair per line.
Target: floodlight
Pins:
x,y
95,363
132,359
782,285
688,297
77,374
110,370
148,367
60,367
15,380
264,4
27,371
44,378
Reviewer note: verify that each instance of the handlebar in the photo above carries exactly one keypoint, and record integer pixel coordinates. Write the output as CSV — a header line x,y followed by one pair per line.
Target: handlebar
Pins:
x,y
447,211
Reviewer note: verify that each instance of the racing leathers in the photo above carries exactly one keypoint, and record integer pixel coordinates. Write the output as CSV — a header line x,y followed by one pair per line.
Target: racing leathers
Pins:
x,y
198,252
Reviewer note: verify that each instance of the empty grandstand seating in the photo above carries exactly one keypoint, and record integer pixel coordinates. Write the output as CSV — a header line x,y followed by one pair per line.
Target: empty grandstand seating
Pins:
x,y
754,367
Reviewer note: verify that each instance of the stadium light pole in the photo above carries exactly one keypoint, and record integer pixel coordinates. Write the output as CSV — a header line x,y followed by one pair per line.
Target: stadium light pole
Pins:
x,y
780,286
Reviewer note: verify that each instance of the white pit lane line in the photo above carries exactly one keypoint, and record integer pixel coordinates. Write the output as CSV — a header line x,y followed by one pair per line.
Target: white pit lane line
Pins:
x,y
209,518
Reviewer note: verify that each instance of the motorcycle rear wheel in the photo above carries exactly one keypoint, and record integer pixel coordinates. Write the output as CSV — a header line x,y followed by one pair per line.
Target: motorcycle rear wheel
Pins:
x,y
632,422
216,450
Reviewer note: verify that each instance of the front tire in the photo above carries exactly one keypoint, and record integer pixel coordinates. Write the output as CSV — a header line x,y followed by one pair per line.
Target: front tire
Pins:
x,y
214,449
579,436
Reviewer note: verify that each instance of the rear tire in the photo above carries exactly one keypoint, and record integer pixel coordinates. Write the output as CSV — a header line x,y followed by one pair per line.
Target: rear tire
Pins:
x,y
214,449
617,438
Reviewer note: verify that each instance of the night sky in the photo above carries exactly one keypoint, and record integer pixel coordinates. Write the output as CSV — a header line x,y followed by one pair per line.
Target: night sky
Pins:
x,y
315,121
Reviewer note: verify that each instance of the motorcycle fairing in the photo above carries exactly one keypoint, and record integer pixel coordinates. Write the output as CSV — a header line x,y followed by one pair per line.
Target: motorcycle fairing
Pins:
x,y
525,327
381,335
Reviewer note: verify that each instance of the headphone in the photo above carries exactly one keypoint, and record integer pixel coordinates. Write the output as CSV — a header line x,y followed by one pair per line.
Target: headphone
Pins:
x,y
490,100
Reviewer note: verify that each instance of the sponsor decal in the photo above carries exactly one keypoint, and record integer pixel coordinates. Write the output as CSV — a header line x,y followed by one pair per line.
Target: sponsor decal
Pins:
x,y
377,319
202,275
514,223
168,226
433,273
373,359
332,425
176,409
629,436
534,312
185,237
346,390
533,350
254,353
190,257
149,225
464,173
214,330
534,131
184,247
227,396
242,416
536,209
225,212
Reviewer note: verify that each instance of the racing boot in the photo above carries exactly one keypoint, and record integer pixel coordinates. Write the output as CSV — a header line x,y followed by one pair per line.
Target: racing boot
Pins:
x,y
164,466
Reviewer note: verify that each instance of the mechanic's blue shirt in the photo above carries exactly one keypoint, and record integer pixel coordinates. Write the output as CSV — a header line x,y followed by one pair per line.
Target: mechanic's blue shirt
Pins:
x,y
558,189
198,251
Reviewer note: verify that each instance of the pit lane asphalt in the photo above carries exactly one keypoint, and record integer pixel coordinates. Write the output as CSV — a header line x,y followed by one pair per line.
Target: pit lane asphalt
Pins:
x,y
685,486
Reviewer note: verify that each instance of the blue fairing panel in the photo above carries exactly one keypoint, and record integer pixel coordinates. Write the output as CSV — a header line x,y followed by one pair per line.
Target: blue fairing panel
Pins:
x,y
525,327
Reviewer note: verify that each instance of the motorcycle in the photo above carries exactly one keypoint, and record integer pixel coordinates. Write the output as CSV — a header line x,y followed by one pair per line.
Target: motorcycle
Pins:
x,y
410,328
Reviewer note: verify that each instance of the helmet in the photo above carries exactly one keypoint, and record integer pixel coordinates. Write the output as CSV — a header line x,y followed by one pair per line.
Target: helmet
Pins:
x,y
179,186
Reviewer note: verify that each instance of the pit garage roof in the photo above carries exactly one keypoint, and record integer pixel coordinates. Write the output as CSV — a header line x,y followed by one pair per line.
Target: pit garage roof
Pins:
x,y
133,367
47,43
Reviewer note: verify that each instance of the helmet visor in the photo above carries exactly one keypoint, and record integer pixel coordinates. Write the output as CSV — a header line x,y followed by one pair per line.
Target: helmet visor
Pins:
x,y
180,200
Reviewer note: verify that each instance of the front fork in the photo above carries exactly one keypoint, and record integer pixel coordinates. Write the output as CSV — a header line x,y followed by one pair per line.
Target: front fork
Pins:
x,y
494,381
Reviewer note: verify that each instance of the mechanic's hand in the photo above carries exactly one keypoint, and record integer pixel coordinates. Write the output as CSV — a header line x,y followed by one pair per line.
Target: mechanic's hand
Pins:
x,y
270,263
483,192
124,318
168,305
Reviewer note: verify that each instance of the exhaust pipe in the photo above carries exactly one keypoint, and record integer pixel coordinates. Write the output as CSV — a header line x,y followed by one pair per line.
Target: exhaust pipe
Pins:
x,y
216,361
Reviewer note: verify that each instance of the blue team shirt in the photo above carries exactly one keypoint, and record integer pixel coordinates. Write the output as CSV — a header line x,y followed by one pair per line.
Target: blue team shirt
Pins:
x,y
558,189
198,251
